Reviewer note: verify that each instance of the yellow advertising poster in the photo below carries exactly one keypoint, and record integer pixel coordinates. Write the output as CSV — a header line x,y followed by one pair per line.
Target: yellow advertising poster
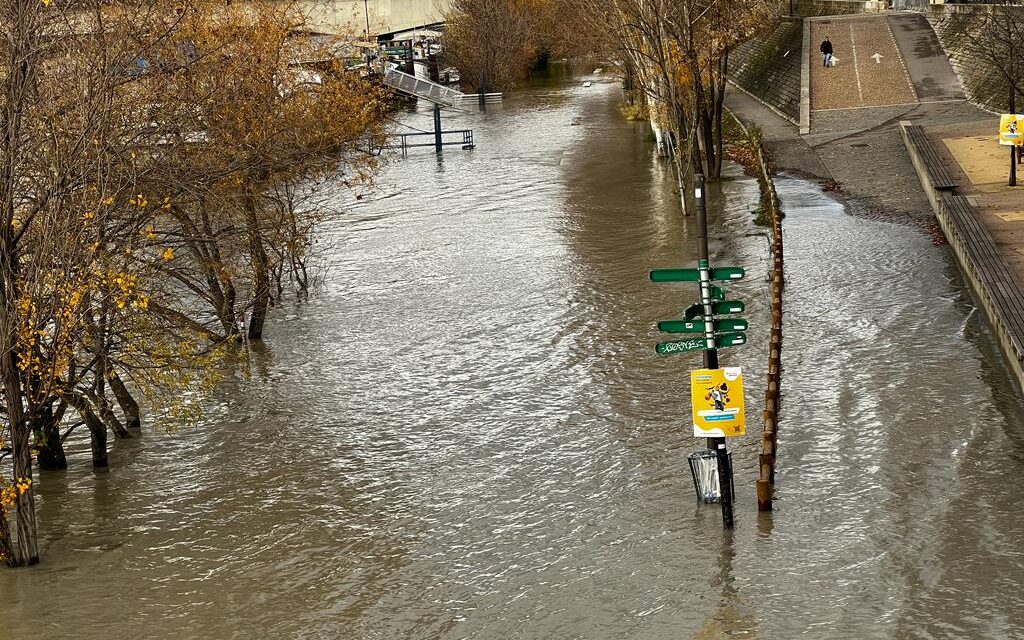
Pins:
x,y
1011,126
717,396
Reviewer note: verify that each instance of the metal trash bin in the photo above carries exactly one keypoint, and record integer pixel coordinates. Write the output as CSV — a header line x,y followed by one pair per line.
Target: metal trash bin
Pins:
x,y
704,470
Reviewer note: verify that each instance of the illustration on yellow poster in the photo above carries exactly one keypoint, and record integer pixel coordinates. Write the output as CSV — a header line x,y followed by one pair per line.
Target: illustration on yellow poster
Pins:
x,y
1011,126
717,396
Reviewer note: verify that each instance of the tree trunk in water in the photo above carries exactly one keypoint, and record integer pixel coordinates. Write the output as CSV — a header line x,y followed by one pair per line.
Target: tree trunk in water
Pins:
x,y
106,414
97,430
27,545
22,37
47,434
719,101
132,417
6,548
260,272
702,122
98,438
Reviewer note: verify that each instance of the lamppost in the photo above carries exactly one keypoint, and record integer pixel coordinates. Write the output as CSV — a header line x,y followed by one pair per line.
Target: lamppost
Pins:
x,y
366,12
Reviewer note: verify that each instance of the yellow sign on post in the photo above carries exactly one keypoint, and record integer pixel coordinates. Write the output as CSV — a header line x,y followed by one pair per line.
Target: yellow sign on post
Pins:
x,y
1011,129
717,396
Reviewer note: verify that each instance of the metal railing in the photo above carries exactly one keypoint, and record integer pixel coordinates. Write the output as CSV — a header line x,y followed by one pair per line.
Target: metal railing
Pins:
x,y
406,141
425,89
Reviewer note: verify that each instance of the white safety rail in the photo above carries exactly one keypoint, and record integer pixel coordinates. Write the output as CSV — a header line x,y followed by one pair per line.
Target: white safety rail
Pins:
x,y
431,91
489,98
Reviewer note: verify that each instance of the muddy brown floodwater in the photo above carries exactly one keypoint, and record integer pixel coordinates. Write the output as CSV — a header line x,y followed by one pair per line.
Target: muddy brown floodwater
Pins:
x,y
468,434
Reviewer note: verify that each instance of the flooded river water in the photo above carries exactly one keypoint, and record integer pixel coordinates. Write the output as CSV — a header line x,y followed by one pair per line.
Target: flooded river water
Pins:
x,y
468,434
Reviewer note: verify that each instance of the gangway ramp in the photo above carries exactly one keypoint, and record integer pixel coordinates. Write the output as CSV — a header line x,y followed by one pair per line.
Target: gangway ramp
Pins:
x,y
420,88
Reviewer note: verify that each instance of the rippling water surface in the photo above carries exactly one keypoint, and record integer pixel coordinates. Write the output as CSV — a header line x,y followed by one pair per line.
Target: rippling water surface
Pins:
x,y
468,435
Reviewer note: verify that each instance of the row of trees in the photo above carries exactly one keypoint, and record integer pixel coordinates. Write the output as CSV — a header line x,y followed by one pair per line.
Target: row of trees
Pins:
x,y
161,166
495,43
674,55
991,37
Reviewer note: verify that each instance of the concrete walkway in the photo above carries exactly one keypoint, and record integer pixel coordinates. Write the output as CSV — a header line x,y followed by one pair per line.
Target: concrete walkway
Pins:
x,y
854,137
929,69
981,167
855,140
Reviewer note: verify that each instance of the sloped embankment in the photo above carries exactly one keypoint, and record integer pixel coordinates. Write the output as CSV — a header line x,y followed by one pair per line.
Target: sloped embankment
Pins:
x,y
984,85
769,67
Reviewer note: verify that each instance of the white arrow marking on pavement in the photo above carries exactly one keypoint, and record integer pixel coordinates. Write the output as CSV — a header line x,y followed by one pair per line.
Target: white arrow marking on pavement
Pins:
x,y
877,58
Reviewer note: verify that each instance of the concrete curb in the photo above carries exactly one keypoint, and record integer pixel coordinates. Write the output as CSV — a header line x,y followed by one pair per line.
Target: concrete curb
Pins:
x,y
979,260
805,81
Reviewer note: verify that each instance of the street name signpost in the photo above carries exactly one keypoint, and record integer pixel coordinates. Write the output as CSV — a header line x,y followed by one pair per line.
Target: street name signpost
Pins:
x,y
727,306
693,275
699,318
698,326
695,344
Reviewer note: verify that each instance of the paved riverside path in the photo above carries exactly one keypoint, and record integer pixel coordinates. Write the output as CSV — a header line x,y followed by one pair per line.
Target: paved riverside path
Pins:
x,y
981,169
855,141
854,135
926,62
860,79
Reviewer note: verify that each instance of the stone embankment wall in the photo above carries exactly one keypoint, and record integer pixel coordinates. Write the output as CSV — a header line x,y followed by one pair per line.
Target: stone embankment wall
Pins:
x,y
768,68
957,26
837,7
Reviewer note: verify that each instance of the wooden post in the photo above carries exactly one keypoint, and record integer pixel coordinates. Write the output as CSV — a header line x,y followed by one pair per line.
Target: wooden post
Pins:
x,y
770,419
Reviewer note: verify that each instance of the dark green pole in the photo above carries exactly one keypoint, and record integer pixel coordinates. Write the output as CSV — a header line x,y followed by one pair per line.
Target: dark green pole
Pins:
x,y
711,353
437,128
1013,148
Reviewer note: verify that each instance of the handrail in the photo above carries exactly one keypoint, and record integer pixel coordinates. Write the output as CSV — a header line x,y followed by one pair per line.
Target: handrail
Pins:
x,y
431,91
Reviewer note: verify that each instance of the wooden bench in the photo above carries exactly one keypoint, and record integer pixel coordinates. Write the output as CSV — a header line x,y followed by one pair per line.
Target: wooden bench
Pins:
x,y
938,175
1004,294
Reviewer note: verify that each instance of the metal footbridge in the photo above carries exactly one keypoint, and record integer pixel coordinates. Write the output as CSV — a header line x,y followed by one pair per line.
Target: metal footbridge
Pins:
x,y
420,88
441,96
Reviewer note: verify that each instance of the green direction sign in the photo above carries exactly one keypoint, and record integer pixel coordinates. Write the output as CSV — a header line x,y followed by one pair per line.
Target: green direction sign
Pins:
x,y
730,339
675,275
728,306
693,275
680,346
730,324
727,273
681,326
718,308
698,326
696,344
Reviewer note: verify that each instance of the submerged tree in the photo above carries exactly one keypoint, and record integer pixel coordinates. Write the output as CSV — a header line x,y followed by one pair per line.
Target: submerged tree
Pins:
x,y
676,53
149,168
493,43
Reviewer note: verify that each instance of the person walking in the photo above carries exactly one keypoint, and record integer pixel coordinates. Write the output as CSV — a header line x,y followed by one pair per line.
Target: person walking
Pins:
x,y
826,51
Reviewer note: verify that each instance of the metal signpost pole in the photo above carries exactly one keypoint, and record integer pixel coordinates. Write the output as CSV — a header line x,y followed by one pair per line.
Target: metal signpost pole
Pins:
x,y
1013,165
437,128
711,352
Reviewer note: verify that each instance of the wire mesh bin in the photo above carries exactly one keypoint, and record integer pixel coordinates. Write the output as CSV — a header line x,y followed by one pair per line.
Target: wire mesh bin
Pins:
x,y
704,469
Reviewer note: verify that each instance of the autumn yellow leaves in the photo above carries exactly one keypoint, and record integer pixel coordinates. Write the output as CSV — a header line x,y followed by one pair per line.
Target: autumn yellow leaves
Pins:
x,y
159,193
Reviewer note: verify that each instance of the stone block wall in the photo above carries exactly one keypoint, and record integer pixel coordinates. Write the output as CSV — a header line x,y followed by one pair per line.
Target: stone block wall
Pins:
x,y
956,26
838,7
769,67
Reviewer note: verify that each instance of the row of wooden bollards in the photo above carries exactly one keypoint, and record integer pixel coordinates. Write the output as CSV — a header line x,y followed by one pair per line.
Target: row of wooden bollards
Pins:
x,y
769,440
